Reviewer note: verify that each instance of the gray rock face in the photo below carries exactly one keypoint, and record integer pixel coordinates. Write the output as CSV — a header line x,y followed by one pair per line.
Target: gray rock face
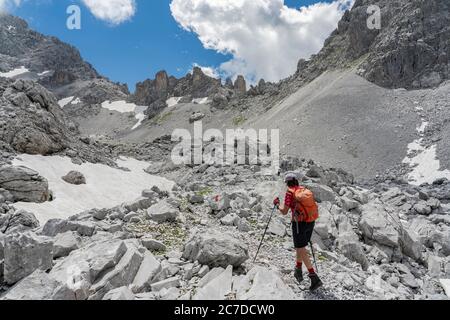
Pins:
x,y
153,245
54,227
149,268
163,211
240,86
154,93
122,274
263,284
24,184
18,221
33,121
119,294
409,51
321,192
217,288
65,243
377,225
37,287
216,250
348,243
86,266
166,284
75,177
25,253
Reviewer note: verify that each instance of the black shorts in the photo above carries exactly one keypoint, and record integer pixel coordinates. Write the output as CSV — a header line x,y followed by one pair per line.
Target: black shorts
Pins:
x,y
302,235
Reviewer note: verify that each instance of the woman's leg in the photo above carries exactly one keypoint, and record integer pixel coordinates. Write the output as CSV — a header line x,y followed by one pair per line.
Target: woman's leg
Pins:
x,y
303,256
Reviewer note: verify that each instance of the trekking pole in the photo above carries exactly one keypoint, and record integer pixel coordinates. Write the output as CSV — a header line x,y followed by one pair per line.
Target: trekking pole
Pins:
x,y
264,235
314,256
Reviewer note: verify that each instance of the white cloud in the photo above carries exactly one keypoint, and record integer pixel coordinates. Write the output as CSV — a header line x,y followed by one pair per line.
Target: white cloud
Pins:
x,y
6,5
265,37
112,11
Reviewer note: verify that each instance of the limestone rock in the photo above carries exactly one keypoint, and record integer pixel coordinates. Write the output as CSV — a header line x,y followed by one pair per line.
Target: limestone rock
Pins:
x,y
25,253
75,177
216,250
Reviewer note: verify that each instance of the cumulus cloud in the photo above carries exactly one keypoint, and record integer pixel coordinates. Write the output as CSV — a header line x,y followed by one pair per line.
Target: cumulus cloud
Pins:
x,y
112,11
6,5
265,37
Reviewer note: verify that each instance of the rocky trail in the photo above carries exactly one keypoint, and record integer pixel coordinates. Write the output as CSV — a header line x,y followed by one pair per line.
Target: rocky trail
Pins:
x,y
198,241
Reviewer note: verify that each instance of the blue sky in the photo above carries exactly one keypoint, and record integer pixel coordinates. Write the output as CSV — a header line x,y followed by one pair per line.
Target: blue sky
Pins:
x,y
135,50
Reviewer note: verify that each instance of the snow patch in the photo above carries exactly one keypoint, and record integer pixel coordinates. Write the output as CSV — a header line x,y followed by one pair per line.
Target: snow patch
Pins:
x,y
63,102
106,187
171,102
76,101
119,106
200,101
124,107
14,73
43,74
426,166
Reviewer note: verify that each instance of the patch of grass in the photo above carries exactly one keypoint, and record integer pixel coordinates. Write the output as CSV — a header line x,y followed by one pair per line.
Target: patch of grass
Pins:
x,y
160,119
204,192
239,120
171,234
322,258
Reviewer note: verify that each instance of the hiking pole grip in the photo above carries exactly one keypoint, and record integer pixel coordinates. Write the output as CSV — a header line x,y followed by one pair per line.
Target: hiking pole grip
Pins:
x,y
264,235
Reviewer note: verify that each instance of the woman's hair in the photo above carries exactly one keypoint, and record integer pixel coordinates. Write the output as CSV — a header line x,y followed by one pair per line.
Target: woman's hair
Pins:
x,y
293,183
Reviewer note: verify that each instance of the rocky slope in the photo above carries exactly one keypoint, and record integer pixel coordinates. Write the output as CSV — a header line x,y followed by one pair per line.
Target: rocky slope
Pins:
x,y
197,241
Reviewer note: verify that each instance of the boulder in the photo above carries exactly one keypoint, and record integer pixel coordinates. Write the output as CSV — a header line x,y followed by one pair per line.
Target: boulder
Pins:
x,y
277,227
75,178
263,284
24,184
20,221
166,284
25,253
321,192
349,204
230,220
217,288
99,214
153,245
349,245
37,286
377,225
410,244
210,275
148,269
65,243
54,227
163,211
423,208
123,273
216,249
142,203
441,236
88,265
119,294
196,116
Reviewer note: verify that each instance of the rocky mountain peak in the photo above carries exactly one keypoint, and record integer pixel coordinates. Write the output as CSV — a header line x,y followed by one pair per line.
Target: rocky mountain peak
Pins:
x,y
411,50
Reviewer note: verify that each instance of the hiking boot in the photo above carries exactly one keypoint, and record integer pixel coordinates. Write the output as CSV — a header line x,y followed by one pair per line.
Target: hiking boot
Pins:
x,y
298,274
316,283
